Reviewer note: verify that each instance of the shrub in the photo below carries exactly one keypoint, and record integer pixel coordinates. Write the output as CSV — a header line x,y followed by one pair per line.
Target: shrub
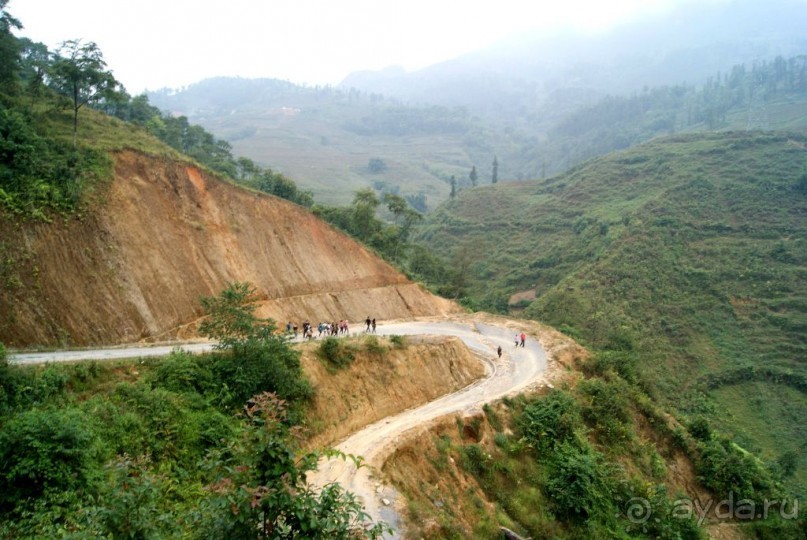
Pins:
x,y
335,353
699,428
47,384
607,409
260,488
165,418
373,346
725,469
475,460
579,484
45,450
551,420
622,363
256,360
268,366
182,372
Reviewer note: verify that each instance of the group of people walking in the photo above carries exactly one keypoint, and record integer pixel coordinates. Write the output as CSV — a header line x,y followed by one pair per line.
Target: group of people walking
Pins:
x,y
341,328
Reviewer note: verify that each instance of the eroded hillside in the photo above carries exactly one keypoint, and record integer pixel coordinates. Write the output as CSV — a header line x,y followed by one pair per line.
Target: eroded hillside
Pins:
x,y
166,233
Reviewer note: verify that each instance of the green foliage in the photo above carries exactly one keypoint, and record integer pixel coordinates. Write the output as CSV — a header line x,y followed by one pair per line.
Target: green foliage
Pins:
x,y
9,49
40,169
662,520
551,420
476,460
623,364
78,72
260,482
801,184
183,372
607,409
265,366
700,429
39,172
230,317
45,451
697,284
167,453
278,185
725,469
580,484
131,502
360,220
335,352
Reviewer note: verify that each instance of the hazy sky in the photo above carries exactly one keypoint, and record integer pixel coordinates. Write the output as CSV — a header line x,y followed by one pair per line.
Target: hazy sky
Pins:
x,y
151,44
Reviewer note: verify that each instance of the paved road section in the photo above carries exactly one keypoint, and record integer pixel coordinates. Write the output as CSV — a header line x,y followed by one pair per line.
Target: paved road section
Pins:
x,y
119,353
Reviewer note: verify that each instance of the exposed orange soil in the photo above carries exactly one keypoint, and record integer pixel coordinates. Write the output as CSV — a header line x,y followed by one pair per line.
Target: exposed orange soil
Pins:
x,y
167,234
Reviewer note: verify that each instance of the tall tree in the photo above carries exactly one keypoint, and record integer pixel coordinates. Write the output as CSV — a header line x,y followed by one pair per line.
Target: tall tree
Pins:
x,y
473,176
453,186
494,177
9,49
363,222
79,72
34,63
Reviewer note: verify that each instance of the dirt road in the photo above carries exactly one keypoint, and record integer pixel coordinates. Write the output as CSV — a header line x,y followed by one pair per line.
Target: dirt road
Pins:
x,y
517,369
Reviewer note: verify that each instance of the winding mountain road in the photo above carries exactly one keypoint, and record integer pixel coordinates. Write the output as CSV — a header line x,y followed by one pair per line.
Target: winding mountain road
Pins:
x,y
518,369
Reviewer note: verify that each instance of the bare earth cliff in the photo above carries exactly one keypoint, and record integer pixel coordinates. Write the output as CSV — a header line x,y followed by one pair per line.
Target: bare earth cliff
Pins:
x,y
166,234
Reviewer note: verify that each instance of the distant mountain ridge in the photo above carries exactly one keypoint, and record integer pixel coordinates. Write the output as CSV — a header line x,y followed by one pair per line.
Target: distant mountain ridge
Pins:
x,y
688,45
505,103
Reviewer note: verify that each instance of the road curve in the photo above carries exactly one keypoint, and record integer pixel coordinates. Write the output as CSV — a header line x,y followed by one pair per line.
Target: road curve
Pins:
x,y
517,369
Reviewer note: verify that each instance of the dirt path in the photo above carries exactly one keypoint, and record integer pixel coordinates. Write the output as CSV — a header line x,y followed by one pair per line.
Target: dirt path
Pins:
x,y
518,369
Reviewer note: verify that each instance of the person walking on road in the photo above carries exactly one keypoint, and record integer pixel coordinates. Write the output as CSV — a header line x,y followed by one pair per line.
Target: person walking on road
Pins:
x,y
499,351
523,338
367,322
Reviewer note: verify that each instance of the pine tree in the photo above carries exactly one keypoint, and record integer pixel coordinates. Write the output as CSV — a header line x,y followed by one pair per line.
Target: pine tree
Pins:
x,y
495,175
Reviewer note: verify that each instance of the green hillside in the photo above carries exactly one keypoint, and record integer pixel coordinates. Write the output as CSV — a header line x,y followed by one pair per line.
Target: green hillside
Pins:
x,y
691,250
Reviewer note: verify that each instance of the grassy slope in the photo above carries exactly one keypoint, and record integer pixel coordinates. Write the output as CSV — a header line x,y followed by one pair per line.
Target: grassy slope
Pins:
x,y
694,247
